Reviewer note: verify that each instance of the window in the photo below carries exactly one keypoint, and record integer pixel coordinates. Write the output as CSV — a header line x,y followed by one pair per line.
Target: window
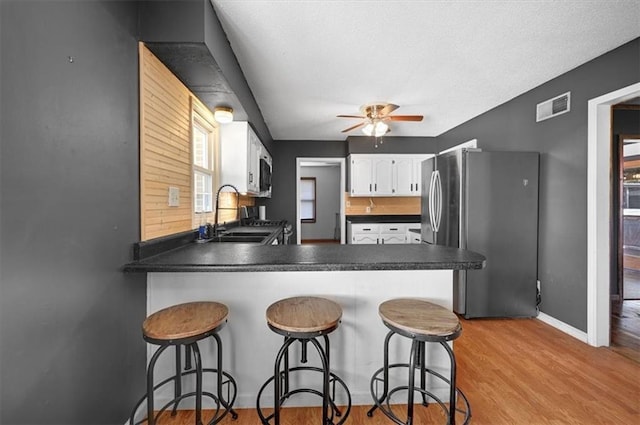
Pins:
x,y
203,165
308,199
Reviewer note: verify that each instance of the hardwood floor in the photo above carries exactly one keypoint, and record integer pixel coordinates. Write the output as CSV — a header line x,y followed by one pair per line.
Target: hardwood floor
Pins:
x,y
625,328
515,371
320,241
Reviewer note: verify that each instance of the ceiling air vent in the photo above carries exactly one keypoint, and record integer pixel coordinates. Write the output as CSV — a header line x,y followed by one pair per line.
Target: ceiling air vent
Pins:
x,y
553,107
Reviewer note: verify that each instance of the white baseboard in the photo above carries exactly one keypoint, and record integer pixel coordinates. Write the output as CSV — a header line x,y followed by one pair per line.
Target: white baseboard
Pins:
x,y
568,329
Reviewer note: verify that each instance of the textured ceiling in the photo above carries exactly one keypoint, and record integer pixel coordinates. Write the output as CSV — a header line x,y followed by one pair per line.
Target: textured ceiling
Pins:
x,y
307,61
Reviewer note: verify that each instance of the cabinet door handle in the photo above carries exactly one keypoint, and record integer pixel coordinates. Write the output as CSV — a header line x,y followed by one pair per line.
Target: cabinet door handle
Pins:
x,y
412,187
393,228
376,187
369,187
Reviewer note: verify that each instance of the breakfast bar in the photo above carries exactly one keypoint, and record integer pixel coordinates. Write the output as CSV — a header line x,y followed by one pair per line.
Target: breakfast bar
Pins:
x,y
248,278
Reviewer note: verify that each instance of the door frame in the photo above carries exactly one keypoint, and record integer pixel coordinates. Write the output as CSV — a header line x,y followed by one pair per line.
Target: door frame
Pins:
x,y
599,214
342,163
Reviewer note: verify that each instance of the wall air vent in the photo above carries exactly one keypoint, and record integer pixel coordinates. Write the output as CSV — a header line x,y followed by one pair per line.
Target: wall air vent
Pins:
x,y
553,107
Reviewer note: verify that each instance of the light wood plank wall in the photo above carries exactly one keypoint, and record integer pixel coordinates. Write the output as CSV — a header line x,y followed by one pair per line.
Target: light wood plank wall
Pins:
x,y
166,113
382,205
165,149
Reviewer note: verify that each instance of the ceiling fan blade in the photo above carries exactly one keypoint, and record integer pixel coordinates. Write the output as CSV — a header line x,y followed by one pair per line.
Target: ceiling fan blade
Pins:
x,y
387,109
404,117
353,127
350,116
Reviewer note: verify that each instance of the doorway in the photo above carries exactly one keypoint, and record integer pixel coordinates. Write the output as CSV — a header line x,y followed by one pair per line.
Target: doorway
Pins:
x,y
320,208
599,232
625,294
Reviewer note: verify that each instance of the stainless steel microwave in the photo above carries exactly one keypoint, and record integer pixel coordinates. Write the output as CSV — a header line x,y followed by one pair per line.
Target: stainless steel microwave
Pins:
x,y
265,175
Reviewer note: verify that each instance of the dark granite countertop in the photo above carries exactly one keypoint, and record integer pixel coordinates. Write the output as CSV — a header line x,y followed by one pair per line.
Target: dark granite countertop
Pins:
x,y
231,257
370,218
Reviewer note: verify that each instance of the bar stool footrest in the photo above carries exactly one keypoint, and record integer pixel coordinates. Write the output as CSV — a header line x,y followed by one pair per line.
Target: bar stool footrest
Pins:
x,y
217,417
333,379
384,403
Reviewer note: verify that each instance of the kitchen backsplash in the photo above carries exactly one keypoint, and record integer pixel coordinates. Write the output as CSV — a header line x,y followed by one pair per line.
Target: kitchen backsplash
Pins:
x,y
380,205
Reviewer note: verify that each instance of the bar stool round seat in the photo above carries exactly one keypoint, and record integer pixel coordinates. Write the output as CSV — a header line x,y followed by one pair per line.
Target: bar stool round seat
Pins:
x,y
305,320
422,322
183,325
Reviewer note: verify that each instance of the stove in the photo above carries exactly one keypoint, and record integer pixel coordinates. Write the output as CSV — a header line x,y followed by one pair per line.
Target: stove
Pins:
x,y
264,223
249,217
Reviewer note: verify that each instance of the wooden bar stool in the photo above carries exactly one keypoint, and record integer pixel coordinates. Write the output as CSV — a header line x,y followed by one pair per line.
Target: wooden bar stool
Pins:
x,y
306,320
184,325
422,322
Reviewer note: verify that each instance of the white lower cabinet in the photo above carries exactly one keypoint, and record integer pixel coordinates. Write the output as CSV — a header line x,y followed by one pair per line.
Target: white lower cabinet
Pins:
x,y
414,237
377,233
363,233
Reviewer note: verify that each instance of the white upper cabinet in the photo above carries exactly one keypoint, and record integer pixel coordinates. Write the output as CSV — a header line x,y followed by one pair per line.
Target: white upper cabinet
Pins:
x,y
240,150
382,177
360,173
385,175
404,177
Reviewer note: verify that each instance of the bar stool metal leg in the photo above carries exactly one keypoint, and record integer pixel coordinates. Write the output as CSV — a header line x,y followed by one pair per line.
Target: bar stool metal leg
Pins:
x,y
150,415
177,386
277,391
452,380
385,376
220,379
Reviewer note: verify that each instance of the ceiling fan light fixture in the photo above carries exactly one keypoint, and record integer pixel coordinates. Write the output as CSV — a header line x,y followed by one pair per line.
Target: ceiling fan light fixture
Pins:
x,y
223,114
380,129
375,128
368,129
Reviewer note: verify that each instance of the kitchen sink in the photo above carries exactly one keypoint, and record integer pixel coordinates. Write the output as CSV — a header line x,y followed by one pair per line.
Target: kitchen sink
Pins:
x,y
245,234
239,238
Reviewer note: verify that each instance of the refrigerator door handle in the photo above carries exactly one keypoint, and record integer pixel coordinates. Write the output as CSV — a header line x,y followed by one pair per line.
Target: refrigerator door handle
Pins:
x,y
437,204
431,201
440,206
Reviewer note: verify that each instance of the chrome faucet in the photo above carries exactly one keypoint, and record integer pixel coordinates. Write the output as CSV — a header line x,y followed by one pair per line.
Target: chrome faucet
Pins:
x,y
215,224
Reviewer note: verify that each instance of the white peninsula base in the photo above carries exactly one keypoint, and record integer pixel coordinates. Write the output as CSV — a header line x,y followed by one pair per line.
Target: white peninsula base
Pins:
x,y
250,346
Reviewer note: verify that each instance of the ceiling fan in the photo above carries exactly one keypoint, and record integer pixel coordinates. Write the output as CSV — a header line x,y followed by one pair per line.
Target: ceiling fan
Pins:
x,y
374,116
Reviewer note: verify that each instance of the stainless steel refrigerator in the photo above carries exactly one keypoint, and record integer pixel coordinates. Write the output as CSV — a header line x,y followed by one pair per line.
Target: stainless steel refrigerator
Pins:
x,y
486,202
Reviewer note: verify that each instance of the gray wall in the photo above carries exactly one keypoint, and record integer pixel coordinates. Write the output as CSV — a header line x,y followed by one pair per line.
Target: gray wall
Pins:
x,y
282,204
328,194
72,350
562,143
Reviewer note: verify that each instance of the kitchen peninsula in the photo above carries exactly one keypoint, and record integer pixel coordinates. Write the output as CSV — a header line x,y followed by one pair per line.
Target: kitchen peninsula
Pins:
x,y
249,277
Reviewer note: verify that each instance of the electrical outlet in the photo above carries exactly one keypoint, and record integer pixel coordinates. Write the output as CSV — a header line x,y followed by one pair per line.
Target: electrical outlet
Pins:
x,y
368,209
174,196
